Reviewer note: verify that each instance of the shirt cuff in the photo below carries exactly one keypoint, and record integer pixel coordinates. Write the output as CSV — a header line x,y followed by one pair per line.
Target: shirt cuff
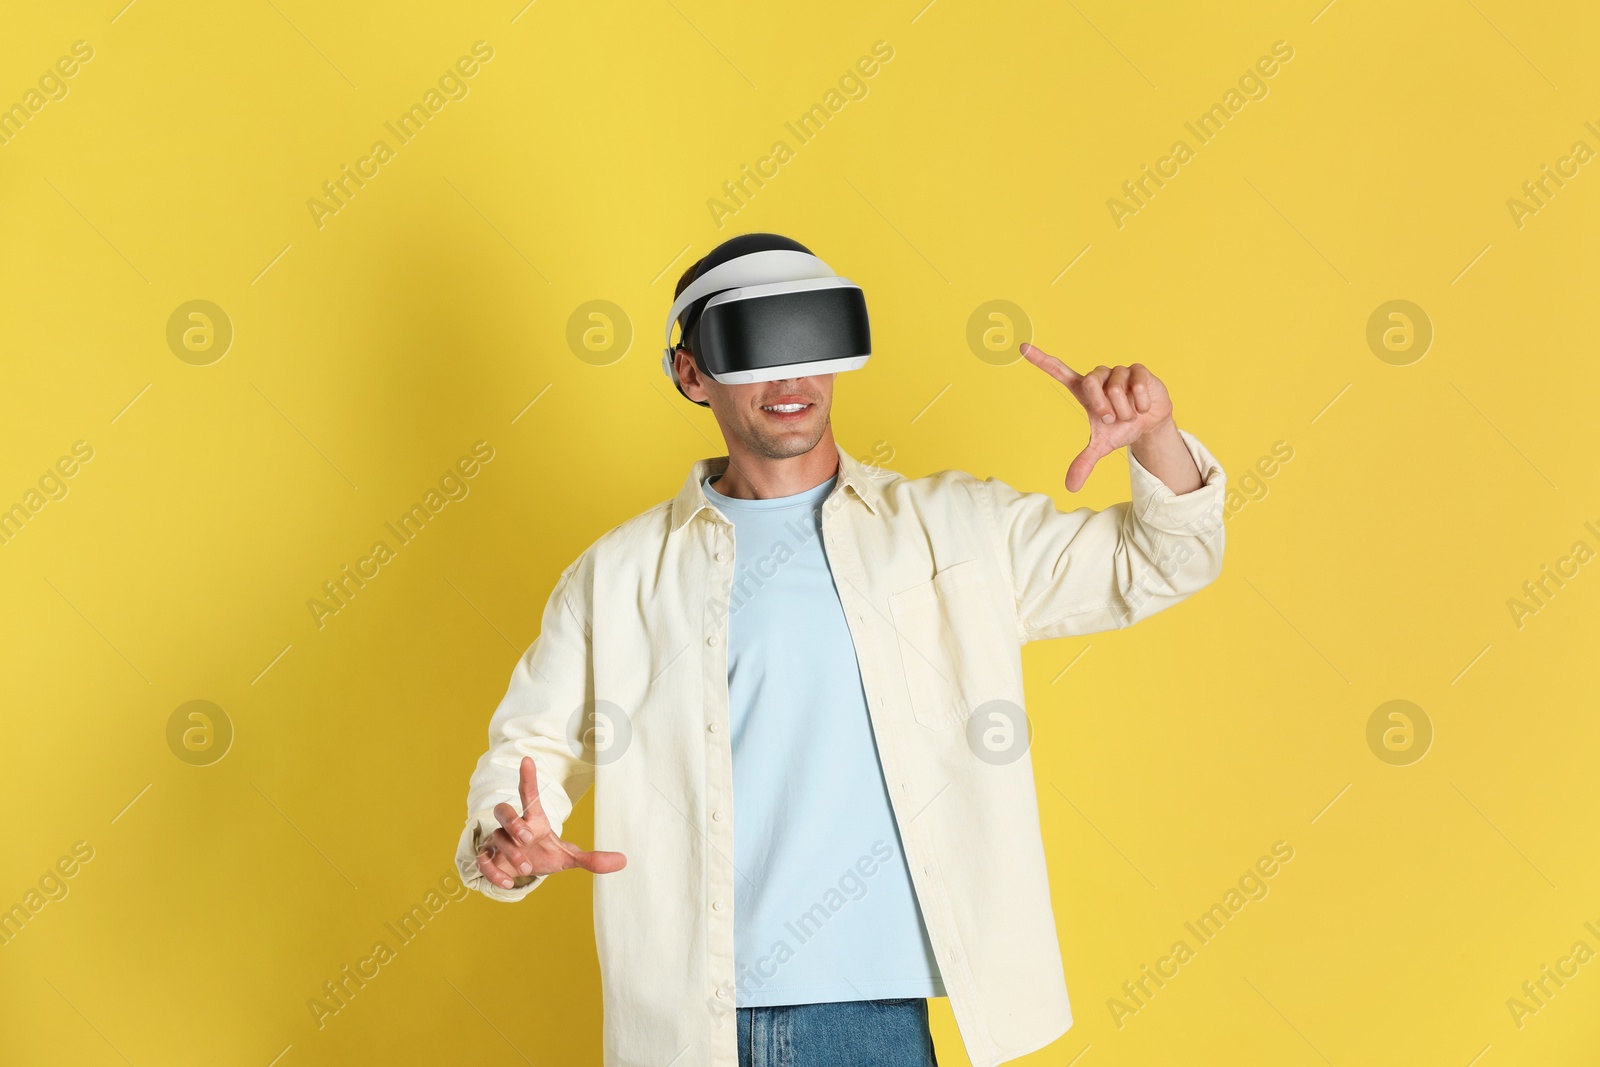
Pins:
x,y
1197,511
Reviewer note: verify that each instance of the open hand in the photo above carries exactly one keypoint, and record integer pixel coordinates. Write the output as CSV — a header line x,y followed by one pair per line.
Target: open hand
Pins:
x,y
526,845
1123,403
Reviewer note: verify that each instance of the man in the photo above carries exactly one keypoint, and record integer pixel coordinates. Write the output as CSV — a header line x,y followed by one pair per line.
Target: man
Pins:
x,y
796,688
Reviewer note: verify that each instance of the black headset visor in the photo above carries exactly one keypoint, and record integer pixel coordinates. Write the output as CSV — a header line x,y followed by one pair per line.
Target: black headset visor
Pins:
x,y
763,333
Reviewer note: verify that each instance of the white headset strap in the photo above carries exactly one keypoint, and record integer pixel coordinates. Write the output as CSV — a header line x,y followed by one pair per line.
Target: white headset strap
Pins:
x,y
755,268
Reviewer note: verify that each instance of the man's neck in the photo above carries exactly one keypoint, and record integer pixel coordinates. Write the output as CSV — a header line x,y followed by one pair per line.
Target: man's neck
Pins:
x,y
751,476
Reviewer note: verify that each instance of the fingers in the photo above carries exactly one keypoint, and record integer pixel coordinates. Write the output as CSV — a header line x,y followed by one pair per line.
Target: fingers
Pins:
x,y
504,843
1116,389
1050,365
1112,394
502,867
501,861
487,868
1139,379
515,827
1108,394
1093,396
496,868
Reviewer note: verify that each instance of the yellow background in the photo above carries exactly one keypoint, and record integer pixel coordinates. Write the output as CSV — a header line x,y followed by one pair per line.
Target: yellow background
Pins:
x,y
433,308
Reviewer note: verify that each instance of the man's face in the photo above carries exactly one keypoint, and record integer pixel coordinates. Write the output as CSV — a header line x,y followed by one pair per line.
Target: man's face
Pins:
x,y
758,415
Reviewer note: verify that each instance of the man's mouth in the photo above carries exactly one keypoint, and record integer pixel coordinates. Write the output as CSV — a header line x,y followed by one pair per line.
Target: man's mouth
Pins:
x,y
787,409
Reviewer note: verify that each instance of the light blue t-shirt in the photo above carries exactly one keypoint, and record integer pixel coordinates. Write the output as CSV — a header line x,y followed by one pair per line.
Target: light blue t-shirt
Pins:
x,y
823,904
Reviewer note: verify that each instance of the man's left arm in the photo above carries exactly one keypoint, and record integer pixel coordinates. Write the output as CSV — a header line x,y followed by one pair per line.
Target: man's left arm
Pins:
x,y
1084,571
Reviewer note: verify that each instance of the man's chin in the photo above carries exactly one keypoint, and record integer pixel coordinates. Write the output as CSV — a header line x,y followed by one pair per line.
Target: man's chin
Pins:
x,y
785,442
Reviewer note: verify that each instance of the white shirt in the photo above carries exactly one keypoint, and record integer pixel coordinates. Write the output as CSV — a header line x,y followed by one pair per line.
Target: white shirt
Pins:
x,y
942,580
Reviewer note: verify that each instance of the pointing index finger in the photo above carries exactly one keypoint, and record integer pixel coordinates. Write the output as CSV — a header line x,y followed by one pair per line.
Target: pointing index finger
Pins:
x,y
1050,364
530,787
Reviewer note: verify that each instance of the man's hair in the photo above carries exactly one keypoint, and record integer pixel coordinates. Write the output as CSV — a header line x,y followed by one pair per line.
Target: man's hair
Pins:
x,y
732,248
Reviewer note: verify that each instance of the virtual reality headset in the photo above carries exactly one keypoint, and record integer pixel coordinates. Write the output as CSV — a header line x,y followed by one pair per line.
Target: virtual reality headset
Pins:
x,y
772,314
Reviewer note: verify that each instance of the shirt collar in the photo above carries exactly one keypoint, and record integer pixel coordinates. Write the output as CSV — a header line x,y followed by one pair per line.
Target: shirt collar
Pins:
x,y
691,498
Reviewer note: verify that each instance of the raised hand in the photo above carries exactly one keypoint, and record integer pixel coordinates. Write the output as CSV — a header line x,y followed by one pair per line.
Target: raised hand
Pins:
x,y
1123,403
524,844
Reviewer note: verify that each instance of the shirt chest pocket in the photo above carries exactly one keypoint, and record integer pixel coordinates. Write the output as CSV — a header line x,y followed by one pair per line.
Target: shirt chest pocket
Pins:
x,y
953,645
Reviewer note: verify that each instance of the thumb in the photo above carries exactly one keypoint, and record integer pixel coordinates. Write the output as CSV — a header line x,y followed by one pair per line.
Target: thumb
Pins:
x,y
595,862
1078,472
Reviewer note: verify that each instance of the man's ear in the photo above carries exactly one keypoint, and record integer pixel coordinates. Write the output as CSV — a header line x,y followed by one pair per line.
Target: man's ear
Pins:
x,y
690,377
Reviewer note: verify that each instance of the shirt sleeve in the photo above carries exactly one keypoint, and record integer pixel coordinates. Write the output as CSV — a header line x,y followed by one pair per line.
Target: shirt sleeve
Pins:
x,y
550,682
1084,571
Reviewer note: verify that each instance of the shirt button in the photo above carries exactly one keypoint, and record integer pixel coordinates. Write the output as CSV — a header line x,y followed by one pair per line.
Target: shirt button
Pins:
x,y
712,640
722,557
722,994
714,727
716,905
717,815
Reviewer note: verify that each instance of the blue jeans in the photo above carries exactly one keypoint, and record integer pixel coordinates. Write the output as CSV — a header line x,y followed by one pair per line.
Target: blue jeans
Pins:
x,y
850,1033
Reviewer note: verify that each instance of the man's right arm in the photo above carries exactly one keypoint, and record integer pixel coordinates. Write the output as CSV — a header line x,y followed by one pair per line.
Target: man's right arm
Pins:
x,y
549,684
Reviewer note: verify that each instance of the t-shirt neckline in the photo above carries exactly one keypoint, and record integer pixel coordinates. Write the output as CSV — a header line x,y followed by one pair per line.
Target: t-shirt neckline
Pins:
x,y
774,503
